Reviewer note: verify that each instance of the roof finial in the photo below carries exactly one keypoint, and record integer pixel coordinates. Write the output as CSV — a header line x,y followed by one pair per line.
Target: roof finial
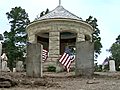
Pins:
x,y
59,2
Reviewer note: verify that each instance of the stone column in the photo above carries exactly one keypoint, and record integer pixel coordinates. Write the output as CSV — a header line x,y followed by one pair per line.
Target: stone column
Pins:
x,y
54,47
32,39
112,66
80,37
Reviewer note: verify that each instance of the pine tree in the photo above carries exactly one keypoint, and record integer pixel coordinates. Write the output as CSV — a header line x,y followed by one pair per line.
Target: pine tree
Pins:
x,y
15,39
96,38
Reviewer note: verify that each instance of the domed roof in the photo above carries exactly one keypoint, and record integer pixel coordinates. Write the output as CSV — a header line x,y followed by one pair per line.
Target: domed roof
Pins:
x,y
60,12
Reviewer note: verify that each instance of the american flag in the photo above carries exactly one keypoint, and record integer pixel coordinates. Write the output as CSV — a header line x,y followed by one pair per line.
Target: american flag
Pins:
x,y
66,60
44,55
106,61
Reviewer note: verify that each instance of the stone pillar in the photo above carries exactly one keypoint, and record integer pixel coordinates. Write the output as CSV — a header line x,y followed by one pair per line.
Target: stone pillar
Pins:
x,y
84,63
0,55
34,60
80,37
112,66
32,39
91,38
54,47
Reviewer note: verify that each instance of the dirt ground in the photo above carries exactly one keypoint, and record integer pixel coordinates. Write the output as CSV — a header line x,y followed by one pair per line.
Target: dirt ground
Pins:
x,y
64,81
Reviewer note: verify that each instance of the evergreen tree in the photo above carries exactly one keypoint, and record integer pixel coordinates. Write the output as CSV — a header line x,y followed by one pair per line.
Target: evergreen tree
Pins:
x,y
15,39
115,51
42,14
96,38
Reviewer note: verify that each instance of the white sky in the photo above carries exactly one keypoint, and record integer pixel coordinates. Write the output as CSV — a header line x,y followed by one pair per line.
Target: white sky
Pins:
x,y
107,13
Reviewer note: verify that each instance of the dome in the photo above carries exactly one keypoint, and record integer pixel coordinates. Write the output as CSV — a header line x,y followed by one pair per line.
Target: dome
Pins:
x,y
60,12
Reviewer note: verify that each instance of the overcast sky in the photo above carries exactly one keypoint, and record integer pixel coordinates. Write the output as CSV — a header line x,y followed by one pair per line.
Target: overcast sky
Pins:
x,y
107,13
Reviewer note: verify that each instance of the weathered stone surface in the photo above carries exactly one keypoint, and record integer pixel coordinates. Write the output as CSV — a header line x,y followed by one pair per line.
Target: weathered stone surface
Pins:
x,y
34,60
55,26
19,66
4,66
54,39
55,46
80,37
112,66
84,64
54,34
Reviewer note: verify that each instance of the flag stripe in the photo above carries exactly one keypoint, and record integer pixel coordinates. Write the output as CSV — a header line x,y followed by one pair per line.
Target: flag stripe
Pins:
x,y
62,57
66,60
44,55
68,65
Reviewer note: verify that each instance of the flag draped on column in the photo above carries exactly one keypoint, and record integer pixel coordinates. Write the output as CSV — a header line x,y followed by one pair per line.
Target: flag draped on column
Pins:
x,y
66,59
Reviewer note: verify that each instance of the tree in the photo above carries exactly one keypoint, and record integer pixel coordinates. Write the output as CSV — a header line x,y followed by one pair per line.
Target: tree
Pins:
x,y
42,14
115,51
118,40
15,39
1,37
96,38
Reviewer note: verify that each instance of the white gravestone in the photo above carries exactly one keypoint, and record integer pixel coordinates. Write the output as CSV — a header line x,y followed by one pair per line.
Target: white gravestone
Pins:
x,y
19,66
4,66
4,62
14,69
112,66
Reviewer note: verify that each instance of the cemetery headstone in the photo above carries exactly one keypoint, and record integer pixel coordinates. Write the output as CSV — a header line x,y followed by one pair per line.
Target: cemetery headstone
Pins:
x,y
34,60
4,66
4,62
14,69
112,66
19,66
84,63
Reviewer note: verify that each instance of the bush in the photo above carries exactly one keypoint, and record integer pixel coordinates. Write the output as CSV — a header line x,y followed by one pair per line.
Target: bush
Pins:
x,y
51,68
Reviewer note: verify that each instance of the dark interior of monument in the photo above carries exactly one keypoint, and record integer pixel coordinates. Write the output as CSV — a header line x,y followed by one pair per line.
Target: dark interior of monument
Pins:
x,y
67,39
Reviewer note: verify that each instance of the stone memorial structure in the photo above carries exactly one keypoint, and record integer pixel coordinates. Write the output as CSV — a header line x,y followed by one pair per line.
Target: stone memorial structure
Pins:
x,y
57,30
112,66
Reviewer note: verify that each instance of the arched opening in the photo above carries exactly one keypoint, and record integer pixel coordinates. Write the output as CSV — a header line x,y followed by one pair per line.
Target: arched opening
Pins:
x,y
67,40
43,39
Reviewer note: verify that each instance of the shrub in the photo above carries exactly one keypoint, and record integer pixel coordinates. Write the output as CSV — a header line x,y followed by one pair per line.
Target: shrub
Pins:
x,y
51,68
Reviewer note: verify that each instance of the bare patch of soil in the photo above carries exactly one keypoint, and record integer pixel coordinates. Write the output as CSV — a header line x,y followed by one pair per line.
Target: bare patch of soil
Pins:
x,y
62,81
